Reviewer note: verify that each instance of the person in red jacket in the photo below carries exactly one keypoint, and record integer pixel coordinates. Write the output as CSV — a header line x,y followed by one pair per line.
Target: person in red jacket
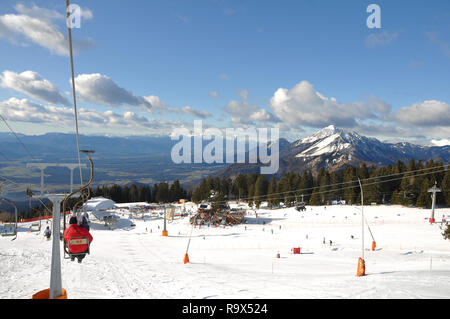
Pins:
x,y
74,230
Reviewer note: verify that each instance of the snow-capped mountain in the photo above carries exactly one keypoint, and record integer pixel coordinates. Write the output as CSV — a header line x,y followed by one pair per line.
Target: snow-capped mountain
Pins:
x,y
333,148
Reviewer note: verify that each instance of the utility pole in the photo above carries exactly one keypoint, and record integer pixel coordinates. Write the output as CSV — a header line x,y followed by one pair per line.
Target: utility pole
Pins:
x,y
55,275
361,263
433,190
165,233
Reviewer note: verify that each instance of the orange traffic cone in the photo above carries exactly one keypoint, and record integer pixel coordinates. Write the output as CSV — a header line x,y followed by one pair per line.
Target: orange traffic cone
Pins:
x,y
374,244
361,267
186,258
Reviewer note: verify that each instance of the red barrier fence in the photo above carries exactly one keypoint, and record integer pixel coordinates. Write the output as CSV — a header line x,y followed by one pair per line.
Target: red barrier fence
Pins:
x,y
34,219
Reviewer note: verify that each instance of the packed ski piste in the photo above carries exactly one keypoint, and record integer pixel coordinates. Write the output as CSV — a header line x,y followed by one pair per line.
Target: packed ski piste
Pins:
x,y
273,253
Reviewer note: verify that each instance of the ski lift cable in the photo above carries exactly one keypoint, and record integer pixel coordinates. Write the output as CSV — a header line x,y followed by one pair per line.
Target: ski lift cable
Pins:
x,y
366,179
338,189
334,190
17,137
73,87
11,181
379,182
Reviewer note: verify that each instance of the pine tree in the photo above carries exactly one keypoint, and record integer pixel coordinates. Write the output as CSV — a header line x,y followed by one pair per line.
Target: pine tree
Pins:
x,y
349,188
270,191
315,199
251,194
424,198
445,188
446,232
259,191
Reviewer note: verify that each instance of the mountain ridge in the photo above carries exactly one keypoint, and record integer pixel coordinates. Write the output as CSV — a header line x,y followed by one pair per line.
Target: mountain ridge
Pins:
x,y
333,148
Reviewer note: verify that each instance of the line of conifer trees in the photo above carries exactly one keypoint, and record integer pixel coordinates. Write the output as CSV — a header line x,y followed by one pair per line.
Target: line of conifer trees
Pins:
x,y
163,192
397,184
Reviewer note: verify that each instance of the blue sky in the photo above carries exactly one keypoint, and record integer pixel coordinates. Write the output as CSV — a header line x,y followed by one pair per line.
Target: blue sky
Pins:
x,y
296,65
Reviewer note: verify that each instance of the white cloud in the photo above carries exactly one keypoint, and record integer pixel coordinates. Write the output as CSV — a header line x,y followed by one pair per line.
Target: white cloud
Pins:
x,y
37,31
23,110
38,12
182,18
33,85
35,25
157,104
441,142
245,113
443,45
213,94
86,14
302,105
381,39
242,112
190,111
100,89
427,113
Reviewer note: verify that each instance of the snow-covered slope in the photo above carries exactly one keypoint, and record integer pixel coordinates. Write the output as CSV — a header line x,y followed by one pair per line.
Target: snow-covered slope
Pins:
x,y
411,260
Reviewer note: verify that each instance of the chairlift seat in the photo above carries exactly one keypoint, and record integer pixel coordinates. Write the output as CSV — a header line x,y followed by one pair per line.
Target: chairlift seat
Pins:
x,y
77,241
35,227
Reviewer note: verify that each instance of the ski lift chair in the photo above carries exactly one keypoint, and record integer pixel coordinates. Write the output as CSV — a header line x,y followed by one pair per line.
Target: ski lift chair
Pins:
x,y
73,242
35,227
9,230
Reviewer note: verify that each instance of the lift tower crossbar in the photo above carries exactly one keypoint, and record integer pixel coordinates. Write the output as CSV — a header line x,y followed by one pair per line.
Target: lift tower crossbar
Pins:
x,y
43,166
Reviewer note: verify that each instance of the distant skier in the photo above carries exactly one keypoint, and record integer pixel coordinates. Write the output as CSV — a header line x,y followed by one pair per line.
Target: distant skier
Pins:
x,y
331,243
47,233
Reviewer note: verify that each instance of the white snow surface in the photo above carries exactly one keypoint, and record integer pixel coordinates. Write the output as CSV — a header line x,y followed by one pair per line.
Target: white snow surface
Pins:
x,y
411,259
326,146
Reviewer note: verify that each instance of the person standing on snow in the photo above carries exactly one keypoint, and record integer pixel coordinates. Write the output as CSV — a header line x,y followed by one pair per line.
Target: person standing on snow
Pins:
x,y
73,231
47,232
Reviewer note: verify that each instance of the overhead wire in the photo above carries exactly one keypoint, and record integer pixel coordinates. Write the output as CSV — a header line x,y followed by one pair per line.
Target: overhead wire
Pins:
x,y
333,190
355,181
17,137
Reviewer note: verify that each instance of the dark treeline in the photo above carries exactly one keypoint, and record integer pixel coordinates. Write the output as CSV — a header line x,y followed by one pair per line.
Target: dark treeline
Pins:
x,y
397,184
159,193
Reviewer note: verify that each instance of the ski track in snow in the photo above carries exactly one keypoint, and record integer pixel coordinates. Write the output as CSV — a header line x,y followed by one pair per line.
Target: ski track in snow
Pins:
x,y
412,259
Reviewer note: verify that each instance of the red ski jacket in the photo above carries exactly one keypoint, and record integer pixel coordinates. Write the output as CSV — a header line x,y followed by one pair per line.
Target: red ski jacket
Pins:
x,y
75,231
